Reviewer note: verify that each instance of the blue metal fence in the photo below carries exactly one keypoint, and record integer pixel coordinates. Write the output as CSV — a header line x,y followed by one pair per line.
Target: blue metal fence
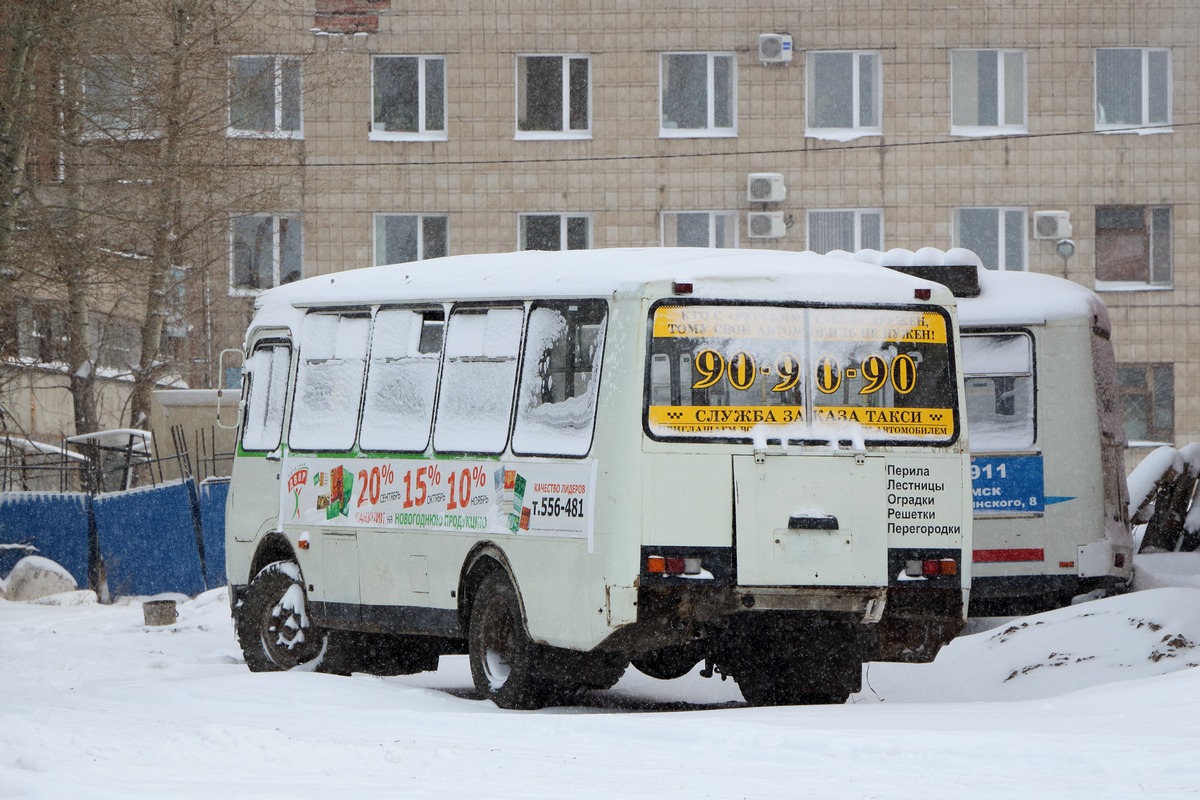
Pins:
x,y
167,538
56,523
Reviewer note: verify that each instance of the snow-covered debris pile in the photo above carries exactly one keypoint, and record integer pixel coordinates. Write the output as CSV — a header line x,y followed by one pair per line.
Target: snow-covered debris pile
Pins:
x,y
34,577
1137,635
1162,491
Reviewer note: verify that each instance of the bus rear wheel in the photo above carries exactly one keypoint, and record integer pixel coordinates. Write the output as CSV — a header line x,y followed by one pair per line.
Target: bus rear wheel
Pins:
x,y
503,659
273,626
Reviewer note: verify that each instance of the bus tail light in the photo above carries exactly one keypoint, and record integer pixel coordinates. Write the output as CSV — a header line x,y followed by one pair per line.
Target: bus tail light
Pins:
x,y
672,565
930,567
681,287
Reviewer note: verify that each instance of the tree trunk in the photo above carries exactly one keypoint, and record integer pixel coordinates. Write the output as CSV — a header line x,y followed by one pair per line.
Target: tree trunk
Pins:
x,y
69,256
165,253
16,108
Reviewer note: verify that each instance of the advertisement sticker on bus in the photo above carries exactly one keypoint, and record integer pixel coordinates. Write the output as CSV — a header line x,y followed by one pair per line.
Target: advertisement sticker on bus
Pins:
x,y
806,372
1008,484
426,494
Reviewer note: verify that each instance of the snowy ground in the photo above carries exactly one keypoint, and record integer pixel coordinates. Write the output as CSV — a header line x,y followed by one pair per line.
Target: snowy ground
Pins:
x,y
1093,701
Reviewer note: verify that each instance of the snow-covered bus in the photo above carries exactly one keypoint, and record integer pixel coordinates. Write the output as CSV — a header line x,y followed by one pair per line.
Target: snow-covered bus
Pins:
x,y
1046,434
560,463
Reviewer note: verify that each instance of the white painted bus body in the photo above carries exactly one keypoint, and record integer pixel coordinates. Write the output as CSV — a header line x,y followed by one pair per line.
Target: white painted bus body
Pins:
x,y
1056,524
819,531
1047,441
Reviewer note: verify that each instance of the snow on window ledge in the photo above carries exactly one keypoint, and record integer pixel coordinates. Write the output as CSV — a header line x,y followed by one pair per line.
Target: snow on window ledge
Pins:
x,y
407,136
697,133
1140,130
1130,286
841,134
984,131
1140,443
554,135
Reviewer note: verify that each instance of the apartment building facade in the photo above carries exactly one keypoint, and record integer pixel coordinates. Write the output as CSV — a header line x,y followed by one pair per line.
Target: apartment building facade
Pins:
x,y
1056,137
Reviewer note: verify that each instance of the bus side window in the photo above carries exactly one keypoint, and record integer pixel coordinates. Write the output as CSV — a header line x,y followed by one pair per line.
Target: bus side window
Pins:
x,y
329,382
478,378
564,346
406,348
267,377
998,376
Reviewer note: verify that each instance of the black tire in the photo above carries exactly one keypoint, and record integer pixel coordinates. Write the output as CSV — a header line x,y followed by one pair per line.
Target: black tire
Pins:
x,y
668,663
806,665
383,654
273,626
762,685
503,659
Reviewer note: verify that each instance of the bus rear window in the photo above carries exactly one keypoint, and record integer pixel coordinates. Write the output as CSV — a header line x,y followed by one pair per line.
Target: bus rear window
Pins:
x,y
798,374
998,375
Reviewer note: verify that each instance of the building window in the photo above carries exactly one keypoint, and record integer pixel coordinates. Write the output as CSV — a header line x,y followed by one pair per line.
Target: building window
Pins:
x,y
699,96
266,252
115,100
1147,394
844,94
408,97
1133,247
555,231
1133,87
264,96
410,237
553,96
700,229
996,235
987,94
849,229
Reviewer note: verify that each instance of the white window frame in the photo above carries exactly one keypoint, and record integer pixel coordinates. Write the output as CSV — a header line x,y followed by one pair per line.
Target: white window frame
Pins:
x,y
729,217
565,131
423,133
1006,60
1005,215
245,291
278,131
857,128
859,215
376,235
1145,125
1154,235
711,129
563,218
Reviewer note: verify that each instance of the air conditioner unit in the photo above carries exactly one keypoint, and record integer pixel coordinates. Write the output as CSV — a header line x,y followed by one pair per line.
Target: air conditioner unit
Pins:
x,y
765,187
775,48
1051,224
765,225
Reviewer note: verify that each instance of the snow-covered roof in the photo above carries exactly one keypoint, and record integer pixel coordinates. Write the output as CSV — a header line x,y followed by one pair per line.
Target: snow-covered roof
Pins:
x,y
1006,298
736,274
116,438
34,447
1030,298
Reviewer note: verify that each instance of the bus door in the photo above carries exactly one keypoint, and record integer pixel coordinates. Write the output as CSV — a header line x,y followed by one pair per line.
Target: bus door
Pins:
x,y
256,467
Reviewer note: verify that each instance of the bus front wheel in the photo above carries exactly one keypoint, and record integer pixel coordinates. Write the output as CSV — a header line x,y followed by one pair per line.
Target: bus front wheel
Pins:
x,y
503,660
273,626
